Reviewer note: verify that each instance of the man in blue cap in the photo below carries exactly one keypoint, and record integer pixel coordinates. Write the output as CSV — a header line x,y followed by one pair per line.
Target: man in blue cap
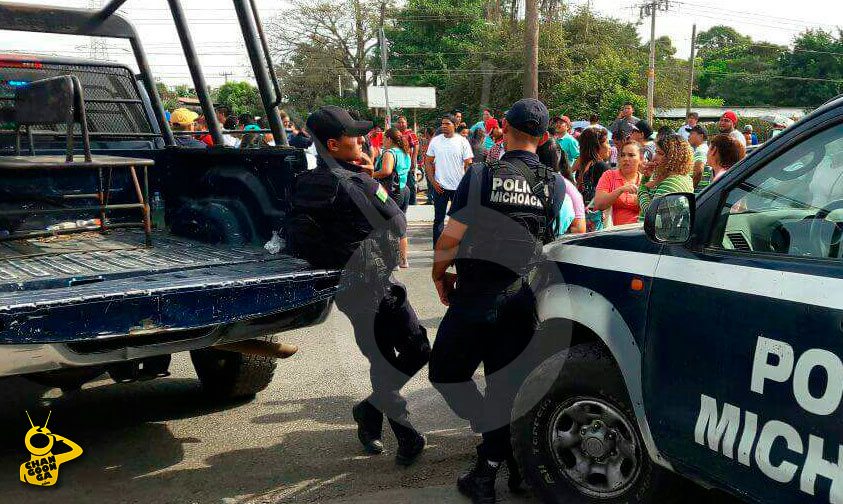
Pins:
x,y
502,213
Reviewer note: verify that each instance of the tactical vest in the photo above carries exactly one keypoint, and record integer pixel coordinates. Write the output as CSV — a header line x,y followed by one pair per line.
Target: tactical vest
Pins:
x,y
324,229
512,221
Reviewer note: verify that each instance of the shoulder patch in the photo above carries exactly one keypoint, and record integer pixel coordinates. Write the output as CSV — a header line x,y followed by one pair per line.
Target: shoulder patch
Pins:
x,y
381,194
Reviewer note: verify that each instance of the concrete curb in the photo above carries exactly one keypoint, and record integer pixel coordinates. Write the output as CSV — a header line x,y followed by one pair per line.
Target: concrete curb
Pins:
x,y
420,213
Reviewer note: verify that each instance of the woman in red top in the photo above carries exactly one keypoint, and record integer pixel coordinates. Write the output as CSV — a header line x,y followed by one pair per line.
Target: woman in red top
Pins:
x,y
618,189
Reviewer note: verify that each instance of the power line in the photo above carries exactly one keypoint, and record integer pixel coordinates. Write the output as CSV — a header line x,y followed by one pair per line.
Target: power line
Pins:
x,y
707,13
778,77
755,15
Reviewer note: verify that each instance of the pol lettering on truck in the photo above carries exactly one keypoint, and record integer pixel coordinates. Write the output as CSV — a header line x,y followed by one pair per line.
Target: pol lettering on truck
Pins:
x,y
720,430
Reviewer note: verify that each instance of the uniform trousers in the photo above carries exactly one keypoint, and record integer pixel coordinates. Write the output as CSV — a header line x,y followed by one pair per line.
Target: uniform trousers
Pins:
x,y
388,333
492,329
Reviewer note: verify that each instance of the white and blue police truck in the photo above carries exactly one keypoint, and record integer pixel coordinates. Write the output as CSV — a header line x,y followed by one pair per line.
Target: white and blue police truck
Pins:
x,y
706,344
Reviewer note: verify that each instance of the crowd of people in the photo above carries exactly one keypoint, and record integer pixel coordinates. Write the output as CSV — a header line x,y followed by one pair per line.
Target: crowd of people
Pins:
x,y
243,131
611,173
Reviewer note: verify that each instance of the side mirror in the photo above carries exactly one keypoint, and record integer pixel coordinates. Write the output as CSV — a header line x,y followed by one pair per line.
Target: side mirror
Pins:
x,y
670,218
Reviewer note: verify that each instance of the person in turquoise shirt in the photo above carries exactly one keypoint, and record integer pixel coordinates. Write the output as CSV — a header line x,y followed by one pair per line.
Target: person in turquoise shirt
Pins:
x,y
568,144
392,170
481,124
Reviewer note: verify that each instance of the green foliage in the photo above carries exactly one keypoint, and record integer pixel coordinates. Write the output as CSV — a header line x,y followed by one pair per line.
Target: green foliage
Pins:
x,y
588,63
819,55
697,101
733,67
431,39
170,95
241,98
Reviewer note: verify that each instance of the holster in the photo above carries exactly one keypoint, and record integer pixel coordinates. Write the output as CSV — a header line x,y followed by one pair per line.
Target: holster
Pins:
x,y
397,318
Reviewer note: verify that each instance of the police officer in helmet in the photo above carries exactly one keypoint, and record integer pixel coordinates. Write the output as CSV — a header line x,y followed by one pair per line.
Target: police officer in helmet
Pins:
x,y
343,218
503,212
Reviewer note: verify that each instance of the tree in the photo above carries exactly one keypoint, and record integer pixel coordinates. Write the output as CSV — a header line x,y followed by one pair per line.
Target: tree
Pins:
x,y
737,69
531,50
432,39
720,38
817,55
241,98
170,96
344,35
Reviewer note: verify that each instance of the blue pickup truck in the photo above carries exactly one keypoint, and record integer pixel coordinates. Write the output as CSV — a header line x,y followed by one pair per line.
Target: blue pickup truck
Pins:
x,y
84,294
707,344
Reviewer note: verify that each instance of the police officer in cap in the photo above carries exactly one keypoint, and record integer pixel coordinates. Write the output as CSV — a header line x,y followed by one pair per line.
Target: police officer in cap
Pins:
x,y
503,212
343,218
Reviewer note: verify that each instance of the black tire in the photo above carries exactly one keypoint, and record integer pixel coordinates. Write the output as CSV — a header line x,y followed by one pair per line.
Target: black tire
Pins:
x,y
232,374
588,377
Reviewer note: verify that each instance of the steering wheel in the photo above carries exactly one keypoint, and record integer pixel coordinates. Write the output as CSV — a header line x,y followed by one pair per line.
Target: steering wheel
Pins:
x,y
815,233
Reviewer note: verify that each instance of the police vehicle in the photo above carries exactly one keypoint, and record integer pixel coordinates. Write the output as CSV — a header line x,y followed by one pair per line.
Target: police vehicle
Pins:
x,y
707,344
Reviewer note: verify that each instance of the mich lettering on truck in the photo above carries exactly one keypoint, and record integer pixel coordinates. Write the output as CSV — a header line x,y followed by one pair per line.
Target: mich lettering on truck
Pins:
x,y
733,432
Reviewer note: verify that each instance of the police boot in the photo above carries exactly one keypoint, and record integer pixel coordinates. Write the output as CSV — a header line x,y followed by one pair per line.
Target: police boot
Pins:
x,y
369,426
515,479
479,482
411,443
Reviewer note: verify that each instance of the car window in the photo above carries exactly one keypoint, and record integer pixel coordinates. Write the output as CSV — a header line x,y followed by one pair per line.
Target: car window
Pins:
x,y
793,205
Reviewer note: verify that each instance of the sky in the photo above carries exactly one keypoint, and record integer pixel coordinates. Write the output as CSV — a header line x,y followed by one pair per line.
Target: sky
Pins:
x,y
218,40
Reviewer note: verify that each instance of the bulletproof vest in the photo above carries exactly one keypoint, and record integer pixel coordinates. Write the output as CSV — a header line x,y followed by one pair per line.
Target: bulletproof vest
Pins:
x,y
513,220
333,226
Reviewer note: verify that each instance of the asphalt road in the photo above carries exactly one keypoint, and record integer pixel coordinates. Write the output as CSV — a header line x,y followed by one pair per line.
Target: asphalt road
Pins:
x,y
164,441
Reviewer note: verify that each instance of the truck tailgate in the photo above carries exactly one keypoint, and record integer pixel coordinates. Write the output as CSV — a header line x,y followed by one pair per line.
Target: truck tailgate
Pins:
x,y
164,297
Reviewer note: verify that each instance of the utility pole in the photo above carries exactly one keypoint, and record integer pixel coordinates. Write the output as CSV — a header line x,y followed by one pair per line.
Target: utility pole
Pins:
x,y
650,9
97,46
531,49
486,87
691,63
384,79
339,85
651,70
384,68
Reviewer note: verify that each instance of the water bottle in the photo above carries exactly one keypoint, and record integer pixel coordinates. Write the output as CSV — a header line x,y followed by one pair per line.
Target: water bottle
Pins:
x,y
157,211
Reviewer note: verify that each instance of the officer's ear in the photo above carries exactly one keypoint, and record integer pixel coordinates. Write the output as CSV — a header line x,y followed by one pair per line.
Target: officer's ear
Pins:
x,y
332,144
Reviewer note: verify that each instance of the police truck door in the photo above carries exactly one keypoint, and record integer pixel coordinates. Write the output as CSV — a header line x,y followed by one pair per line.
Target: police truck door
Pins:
x,y
743,373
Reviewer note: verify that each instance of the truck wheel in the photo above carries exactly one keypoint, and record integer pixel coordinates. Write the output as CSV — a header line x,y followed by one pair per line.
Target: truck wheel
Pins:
x,y
232,374
581,444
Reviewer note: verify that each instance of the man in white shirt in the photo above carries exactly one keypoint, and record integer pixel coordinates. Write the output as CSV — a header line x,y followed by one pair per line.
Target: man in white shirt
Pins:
x,y
446,160
728,126
685,129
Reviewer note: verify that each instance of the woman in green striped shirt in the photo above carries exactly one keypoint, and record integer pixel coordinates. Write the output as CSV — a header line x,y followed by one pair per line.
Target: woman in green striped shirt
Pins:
x,y
669,172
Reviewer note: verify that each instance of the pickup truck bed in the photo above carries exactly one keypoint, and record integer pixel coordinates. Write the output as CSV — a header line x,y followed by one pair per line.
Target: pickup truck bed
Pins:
x,y
77,259
59,290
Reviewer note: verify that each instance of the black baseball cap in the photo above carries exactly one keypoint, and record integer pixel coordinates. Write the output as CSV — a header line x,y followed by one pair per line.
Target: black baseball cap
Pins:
x,y
530,116
698,129
333,122
644,127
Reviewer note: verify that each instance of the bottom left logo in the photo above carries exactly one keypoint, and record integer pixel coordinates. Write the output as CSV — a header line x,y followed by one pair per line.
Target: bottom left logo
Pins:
x,y
42,468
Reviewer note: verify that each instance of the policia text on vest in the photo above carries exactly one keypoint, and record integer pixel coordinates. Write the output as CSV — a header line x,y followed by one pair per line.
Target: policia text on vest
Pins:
x,y
513,191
